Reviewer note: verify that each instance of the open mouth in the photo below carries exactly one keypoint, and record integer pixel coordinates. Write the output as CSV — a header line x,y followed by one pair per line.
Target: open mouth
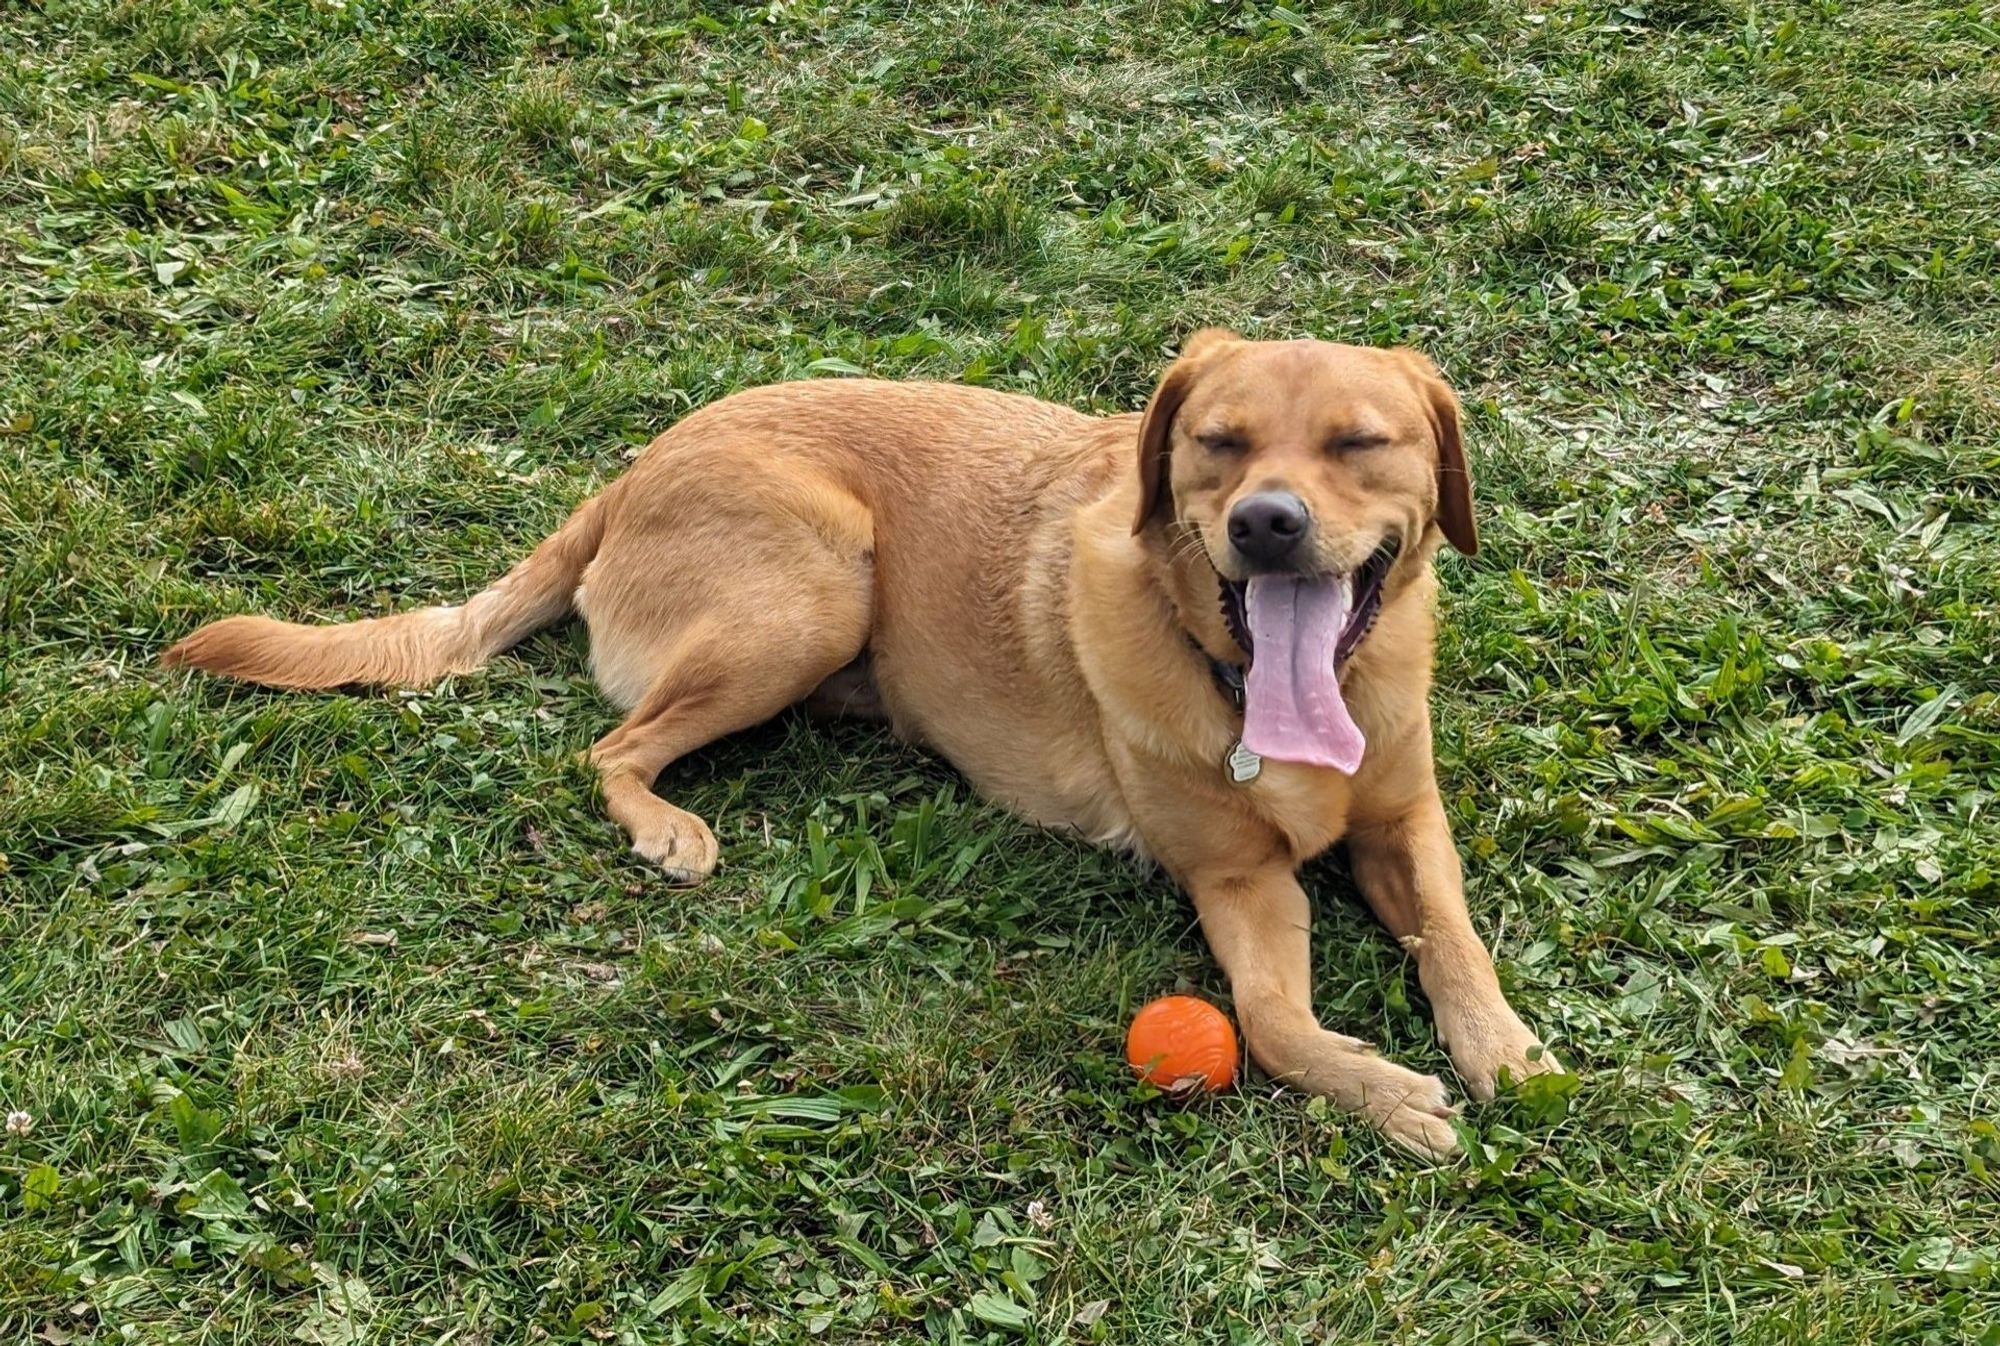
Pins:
x,y
1364,602
1298,631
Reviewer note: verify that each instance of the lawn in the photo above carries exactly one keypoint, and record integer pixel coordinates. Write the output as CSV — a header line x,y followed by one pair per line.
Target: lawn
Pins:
x,y
348,1019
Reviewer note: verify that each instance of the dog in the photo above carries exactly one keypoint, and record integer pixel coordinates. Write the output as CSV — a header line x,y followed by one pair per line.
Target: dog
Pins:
x,y
1202,633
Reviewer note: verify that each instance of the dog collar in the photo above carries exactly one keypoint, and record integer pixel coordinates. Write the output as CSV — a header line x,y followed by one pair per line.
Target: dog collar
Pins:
x,y
1228,677
1240,766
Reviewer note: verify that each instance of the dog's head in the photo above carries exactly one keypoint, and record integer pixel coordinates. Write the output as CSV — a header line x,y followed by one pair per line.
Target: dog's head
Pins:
x,y
1303,457
1317,479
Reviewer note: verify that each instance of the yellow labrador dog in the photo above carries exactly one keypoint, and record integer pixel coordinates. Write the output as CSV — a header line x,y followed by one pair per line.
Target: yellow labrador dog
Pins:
x,y
1203,633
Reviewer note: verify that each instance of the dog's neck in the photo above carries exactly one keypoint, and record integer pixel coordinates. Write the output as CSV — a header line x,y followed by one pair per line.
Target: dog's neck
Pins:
x,y
1195,590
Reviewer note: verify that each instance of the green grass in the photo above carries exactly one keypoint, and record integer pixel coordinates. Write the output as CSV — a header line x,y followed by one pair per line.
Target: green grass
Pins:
x,y
348,1019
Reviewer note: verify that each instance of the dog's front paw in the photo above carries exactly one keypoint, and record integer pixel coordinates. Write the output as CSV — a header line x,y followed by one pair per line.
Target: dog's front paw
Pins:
x,y
1413,1110
680,844
1491,1049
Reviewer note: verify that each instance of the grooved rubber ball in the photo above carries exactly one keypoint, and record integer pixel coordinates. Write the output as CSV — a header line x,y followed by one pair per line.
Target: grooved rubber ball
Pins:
x,y
1183,1045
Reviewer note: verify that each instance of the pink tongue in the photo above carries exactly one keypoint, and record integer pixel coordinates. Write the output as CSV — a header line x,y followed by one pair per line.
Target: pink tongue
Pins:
x,y
1294,711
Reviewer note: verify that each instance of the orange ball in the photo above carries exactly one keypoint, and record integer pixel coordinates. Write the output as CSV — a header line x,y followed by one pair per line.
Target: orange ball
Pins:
x,y
1183,1045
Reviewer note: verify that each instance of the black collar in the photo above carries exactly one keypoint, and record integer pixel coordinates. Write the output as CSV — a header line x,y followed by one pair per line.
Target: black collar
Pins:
x,y
1228,677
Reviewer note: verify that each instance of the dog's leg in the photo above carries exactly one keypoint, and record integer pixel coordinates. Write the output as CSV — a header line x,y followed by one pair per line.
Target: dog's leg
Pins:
x,y
716,600
1408,871
717,680
1258,924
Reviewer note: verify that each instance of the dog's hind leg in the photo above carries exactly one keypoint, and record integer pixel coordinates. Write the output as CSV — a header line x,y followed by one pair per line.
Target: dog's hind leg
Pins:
x,y
725,634
708,690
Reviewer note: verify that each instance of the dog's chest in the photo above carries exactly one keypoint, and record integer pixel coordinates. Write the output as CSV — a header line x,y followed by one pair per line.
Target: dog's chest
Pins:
x,y
1309,805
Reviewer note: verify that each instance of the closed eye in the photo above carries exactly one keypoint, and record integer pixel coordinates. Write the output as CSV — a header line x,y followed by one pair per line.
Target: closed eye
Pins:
x,y
1222,441
1358,440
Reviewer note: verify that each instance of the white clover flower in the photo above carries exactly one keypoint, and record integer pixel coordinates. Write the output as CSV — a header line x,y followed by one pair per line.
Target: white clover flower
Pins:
x,y
20,1123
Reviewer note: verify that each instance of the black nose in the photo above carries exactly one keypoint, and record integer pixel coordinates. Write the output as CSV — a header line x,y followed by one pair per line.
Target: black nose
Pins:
x,y
1266,528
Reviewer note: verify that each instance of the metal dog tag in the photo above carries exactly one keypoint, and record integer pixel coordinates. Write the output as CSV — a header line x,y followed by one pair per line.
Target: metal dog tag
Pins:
x,y
1242,765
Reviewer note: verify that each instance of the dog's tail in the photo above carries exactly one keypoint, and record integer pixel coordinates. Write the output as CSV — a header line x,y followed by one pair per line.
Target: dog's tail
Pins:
x,y
409,648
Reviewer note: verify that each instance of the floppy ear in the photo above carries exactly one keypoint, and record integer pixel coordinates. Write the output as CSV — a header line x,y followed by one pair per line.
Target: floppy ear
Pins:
x,y
1454,482
1158,423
